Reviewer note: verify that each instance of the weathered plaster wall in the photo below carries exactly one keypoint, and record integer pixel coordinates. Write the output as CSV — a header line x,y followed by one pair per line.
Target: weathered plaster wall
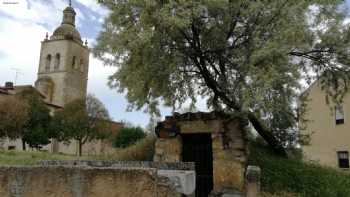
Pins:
x,y
83,181
326,137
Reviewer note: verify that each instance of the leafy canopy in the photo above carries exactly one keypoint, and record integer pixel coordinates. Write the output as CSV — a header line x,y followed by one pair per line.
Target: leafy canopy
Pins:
x,y
13,119
82,120
128,136
242,56
25,116
37,131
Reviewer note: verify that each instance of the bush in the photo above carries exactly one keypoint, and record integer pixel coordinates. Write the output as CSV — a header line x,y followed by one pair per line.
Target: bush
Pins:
x,y
128,136
295,176
143,150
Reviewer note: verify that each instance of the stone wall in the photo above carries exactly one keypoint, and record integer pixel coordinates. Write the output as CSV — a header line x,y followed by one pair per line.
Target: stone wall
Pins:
x,y
168,150
87,179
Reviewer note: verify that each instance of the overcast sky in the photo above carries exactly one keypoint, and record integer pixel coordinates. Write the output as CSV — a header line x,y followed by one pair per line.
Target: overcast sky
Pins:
x,y
23,25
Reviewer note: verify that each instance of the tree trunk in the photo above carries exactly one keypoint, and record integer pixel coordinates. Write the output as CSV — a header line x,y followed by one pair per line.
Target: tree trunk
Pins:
x,y
266,134
80,148
23,144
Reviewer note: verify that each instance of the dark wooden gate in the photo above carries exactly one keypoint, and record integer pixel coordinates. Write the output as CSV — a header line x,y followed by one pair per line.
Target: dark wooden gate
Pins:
x,y
198,148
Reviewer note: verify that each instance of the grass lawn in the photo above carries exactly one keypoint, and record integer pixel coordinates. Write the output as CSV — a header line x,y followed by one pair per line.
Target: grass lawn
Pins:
x,y
31,157
141,151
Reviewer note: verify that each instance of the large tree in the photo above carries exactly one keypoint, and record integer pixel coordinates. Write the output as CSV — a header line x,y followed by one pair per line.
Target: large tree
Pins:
x,y
25,116
246,57
37,131
14,114
83,120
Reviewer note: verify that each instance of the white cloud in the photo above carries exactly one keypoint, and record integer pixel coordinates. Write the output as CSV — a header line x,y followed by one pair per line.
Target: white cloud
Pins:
x,y
22,28
20,48
36,11
94,6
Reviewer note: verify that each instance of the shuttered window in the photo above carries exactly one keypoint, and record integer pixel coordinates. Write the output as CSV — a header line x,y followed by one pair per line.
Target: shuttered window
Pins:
x,y
343,159
339,115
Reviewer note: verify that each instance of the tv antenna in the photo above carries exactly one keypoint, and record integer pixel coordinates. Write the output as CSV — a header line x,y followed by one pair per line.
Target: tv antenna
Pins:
x,y
18,72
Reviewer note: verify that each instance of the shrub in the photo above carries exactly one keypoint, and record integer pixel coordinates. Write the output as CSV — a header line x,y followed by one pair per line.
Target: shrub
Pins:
x,y
143,150
295,176
128,136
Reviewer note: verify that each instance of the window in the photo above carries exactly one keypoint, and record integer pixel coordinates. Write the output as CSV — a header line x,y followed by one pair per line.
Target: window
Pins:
x,y
74,63
57,61
339,115
11,147
48,63
343,159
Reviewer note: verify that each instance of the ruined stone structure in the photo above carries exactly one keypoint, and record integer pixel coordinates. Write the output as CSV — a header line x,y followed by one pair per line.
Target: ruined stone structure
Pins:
x,y
64,63
214,141
93,178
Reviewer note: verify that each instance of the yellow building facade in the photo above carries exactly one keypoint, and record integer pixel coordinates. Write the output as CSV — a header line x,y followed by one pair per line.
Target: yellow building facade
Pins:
x,y
329,129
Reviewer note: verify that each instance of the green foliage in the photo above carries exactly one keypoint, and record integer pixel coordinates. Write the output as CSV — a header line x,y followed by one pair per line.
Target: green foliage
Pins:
x,y
128,136
13,119
142,150
30,157
37,131
294,176
242,56
82,120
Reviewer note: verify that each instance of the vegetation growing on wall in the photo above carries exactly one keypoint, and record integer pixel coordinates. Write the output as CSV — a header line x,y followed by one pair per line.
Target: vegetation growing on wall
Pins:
x,y
293,176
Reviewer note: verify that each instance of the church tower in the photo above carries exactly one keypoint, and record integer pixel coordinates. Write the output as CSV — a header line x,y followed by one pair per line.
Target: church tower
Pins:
x,y
64,63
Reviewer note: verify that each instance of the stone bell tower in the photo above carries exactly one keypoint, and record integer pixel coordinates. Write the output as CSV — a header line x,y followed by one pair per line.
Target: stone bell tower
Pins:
x,y
64,63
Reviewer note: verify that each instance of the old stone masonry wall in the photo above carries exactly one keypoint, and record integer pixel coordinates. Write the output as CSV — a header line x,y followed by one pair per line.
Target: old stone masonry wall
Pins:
x,y
89,179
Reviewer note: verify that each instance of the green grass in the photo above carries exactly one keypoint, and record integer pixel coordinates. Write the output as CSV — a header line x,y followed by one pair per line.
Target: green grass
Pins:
x,y
141,151
293,176
30,157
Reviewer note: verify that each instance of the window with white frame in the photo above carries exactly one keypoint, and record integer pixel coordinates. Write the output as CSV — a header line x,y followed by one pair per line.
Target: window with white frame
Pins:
x,y
343,159
339,114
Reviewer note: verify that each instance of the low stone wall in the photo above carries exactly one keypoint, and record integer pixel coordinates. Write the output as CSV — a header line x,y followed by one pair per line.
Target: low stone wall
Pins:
x,y
89,179
122,164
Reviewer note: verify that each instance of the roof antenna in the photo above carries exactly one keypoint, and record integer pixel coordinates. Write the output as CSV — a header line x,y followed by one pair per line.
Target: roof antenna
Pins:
x,y
18,72
70,3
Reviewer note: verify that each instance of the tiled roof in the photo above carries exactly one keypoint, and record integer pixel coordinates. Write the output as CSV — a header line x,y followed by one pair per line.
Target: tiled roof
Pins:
x,y
3,91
